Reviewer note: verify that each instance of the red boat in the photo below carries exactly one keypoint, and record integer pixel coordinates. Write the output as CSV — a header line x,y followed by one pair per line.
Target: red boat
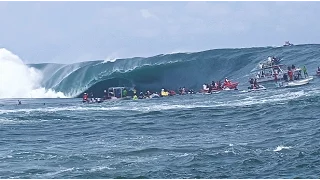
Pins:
x,y
225,86
172,93
230,85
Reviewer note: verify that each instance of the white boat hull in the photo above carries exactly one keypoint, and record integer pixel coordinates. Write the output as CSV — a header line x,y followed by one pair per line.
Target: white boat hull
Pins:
x,y
295,82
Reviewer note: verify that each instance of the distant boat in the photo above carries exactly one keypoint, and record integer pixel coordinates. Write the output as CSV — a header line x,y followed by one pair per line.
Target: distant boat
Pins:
x,y
117,93
287,43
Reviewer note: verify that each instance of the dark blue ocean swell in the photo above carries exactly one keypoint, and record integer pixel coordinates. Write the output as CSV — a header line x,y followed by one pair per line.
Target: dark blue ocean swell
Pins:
x,y
172,70
269,134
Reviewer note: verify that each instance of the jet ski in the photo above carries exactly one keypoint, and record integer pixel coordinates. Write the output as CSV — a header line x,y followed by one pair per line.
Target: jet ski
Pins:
x,y
230,86
93,100
154,95
257,89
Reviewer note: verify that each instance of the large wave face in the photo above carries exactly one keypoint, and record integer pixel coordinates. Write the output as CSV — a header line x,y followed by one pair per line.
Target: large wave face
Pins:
x,y
17,80
170,71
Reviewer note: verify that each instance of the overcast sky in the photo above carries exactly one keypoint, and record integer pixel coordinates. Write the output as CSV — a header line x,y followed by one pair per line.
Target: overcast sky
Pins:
x,y
67,32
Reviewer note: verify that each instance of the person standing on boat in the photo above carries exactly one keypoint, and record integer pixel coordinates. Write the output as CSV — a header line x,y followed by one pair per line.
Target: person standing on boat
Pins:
x,y
299,75
290,74
269,62
184,90
124,92
92,97
141,95
255,84
275,75
285,77
276,61
135,97
258,75
204,87
148,94
213,83
226,82
105,94
305,72
216,86
210,88
251,81
85,97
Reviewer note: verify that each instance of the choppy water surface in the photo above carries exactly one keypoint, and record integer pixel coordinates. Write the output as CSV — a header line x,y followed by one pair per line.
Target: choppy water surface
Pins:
x,y
233,134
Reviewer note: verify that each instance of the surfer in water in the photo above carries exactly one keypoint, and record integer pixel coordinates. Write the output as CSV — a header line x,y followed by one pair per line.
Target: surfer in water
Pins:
x,y
19,102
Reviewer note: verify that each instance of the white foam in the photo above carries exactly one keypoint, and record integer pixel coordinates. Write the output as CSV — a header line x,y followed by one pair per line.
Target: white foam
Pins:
x,y
50,174
111,58
279,148
148,108
263,100
17,121
155,105
100,168
20,81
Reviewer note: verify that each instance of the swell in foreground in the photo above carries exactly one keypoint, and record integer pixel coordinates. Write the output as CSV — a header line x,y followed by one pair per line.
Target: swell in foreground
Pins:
x,y
266,134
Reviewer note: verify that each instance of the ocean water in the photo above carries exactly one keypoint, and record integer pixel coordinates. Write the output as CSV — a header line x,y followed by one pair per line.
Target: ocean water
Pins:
x,y
232,134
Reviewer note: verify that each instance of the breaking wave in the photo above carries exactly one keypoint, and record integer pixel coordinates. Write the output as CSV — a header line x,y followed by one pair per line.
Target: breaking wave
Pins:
x,y
17,80
152,73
